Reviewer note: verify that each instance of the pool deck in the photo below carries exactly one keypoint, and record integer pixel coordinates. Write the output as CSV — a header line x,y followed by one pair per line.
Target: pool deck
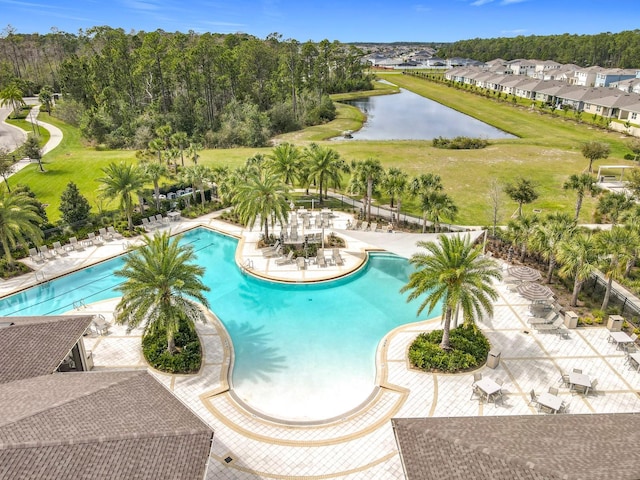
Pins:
x,y
360,445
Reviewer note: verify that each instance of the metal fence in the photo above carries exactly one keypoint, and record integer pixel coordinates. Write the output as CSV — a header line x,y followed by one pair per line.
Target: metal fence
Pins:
x,y
629,305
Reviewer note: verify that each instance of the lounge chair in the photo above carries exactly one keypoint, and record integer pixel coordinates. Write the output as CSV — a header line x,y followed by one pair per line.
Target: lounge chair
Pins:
x,y
160,220
46,253
107,236
35,255
364,227
59,249
273,253
74,244
549,318
320,260
373,227
147,225
114,232
555,327
337,259
301,263
285,260
91,237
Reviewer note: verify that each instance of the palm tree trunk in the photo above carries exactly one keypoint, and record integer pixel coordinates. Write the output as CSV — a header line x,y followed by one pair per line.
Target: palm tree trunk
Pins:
x,y
201,187
578,206
523,252
171,342
577,286
630,264
156,190
369,193
444,345
552,265
607,294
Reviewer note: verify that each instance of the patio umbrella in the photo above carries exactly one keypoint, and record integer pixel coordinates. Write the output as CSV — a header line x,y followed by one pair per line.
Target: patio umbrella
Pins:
x,y
534,291
524,274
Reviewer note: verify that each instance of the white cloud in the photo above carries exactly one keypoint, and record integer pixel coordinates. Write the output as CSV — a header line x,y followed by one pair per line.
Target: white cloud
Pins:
x,y
421,8
517,31
478,3
509,2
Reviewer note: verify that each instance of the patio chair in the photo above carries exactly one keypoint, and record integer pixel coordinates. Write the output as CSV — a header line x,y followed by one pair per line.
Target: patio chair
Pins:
x,y
160,220
553,391
533,398
477,377
564,380
114,232
373,227
300,263
285,260
35,255
276,252
634,337
146,224
577,370
364,227
320,260
594,385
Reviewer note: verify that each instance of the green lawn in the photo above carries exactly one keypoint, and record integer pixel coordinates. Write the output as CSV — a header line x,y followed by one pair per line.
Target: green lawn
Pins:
x,y
547,151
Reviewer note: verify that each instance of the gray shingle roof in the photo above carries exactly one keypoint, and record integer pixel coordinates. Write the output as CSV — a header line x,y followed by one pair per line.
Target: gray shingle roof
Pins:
x,y
98,425
520,447
35,346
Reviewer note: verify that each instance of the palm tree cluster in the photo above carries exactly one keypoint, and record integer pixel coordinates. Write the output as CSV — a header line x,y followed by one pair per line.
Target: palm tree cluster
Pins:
x,y
575,252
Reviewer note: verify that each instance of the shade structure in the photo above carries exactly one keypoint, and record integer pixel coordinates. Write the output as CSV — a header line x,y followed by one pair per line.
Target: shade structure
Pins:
x,y
534,291
524,274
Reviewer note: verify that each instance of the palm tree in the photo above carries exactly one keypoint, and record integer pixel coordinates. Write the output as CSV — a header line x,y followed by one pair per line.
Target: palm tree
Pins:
x,y
46,98
179,140
520,230
11,95
631,220
197,176
616,246
160,287
19,221
613,204
454,272
395,184
438,205
261,196
583,183
579,257
122,181
324,166
285,161
154,172
548,235
366,173
423,186
156,146
192,152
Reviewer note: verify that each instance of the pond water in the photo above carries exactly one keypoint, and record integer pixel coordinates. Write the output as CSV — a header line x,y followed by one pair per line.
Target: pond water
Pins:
x,y
408,116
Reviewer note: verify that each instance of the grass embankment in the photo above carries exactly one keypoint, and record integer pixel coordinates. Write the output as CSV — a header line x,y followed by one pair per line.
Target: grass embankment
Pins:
x,y
547,152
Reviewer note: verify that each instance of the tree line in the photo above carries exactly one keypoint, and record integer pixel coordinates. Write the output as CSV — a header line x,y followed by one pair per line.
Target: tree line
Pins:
x,y
220,90
611,50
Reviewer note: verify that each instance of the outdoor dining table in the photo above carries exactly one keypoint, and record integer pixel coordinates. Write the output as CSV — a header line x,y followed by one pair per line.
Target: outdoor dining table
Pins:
x,y
580,379
489,387
173,216
620,338
550,401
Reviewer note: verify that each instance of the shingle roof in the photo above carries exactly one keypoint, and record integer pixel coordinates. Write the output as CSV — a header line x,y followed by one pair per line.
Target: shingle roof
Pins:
x,y
35,346
529,447
98,425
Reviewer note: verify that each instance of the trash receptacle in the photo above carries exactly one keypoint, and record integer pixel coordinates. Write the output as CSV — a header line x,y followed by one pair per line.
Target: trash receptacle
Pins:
x,y
571,319
614,324
493,359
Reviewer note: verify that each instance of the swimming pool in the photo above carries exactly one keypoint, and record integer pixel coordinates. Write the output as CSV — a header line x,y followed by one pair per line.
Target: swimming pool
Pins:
x,y
313,344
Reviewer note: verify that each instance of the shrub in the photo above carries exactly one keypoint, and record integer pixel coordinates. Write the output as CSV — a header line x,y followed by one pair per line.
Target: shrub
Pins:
x,y
460,143
186,360
469,349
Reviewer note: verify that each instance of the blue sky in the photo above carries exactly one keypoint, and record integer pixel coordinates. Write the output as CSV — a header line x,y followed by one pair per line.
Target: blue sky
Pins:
x,y
346,21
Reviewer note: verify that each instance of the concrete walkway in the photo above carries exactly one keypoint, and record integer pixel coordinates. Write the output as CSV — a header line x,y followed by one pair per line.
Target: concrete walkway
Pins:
x,y
360,445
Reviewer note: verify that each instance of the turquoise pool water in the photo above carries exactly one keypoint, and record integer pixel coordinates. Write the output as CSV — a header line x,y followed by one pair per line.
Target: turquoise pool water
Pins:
x,y
302,352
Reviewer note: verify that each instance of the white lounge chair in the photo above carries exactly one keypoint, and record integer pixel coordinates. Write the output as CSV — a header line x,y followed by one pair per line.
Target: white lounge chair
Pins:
x,y
59,249
91,237
35,255
337,259
285,260
104,234
114,232
74,244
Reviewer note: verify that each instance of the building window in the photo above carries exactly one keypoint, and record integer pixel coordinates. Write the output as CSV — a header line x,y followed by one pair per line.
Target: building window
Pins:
x,y
634,116
598,109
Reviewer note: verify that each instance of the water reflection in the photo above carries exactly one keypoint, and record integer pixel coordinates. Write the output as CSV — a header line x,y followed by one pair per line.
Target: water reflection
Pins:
x,y
408,116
